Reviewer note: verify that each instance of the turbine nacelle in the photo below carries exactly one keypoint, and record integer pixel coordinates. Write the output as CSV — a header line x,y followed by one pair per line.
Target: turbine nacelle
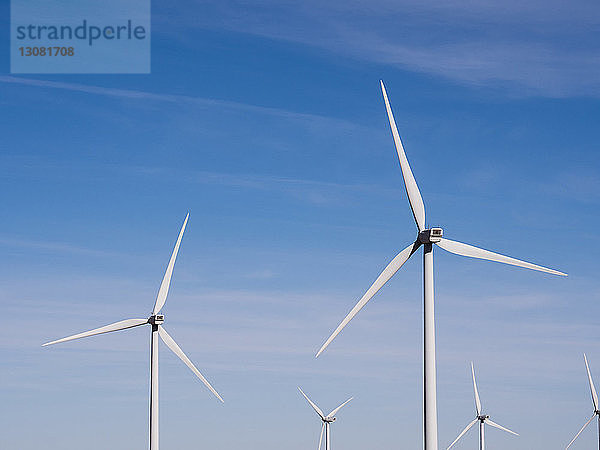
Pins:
x,y
430,236
482,417
156,319
329,419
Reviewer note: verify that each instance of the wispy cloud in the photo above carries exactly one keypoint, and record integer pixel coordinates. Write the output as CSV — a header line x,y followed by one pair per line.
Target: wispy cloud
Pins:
x,y
311,191
581,186
264,274
531,48
60,247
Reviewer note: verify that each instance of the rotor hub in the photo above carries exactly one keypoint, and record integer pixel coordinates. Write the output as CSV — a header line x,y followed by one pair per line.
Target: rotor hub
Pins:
x,y
483,417
431,236
329,419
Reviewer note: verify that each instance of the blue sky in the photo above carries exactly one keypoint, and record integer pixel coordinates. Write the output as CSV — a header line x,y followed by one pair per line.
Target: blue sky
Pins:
x,y
265,121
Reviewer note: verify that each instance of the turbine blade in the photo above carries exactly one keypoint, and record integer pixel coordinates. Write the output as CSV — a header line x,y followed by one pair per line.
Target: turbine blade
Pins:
x,y
121,325
412,190
580,431
315,407
467,428
321,437
161,298
335,411
500,427
177,350
477,401
474,252
592,388
387,273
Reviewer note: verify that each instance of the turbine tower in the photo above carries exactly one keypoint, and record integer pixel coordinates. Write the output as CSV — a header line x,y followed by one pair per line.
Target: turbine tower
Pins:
x,y
482,418
326,419
594,400
426,237
156,321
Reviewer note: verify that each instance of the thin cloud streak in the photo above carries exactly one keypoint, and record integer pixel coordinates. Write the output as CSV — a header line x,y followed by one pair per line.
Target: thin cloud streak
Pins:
x,y
131,94
60,247
316,192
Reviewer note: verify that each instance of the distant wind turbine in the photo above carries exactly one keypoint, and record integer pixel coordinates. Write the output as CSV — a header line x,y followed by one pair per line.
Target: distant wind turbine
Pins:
x,y
482,418
594,400
426,237
155,320
326,419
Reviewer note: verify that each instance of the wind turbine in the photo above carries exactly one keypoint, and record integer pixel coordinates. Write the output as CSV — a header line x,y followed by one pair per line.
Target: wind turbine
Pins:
x,y
425,237
156,321
326,419
594,400
482,418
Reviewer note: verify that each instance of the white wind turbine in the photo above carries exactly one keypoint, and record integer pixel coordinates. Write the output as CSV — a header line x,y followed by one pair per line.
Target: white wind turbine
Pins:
x,y
326,419
426,237
594,400
155,320
482,418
